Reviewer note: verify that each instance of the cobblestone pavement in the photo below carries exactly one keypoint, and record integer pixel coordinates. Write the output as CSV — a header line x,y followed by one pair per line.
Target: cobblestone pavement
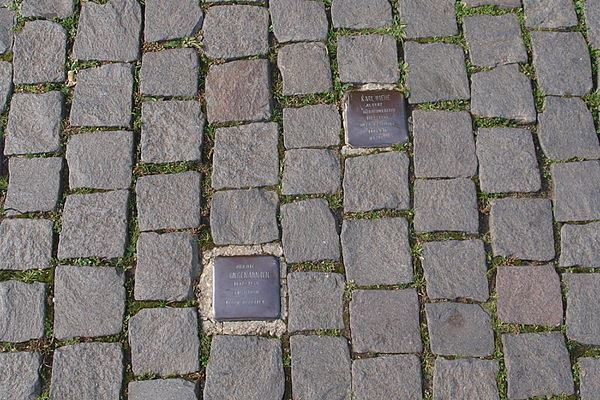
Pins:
x,y
144,138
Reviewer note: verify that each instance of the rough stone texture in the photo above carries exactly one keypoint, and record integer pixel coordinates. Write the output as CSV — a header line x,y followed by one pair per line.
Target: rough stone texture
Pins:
x,y
103,96
94,225
589,376
583,308
522,228
244,217
376,378
25,244
377,252
168,201
321,368
162,389
428,18
580,245
20,378
375,182
87,371
394,328
246,98
503,92
358,14
88,301
100,160
171,20
246,156
164,341
576,191
167,266
494,40
34,123
562,63
235,31
7,22
455,269
592,19
566,130
499,3
34,185
529,295
40,53
446,205
311,171
507,161
437,72
22,308
47,8
537,364
6,85
549,14
457,329
171,72
109,32
309,231
316,301
171,131
297,21
304,68
368,59
245,367
444,146
465,379
311,126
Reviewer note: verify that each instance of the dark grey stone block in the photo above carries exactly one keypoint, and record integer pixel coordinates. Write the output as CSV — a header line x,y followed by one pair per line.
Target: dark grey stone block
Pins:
x,y
22,308
47,8
465,379
171,72
20,378
576,191
428,18
6,85
304,68
368,59
164,341
377,252
537,365
168,201
311,171
549,14
376,378
7,22
583,308
25,244
592,20
162,389
311,126
589,376
580,245
298,21
358,14
94,225
171,20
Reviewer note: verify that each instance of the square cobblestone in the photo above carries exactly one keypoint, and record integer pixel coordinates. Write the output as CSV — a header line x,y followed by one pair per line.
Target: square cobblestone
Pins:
x,y
246,156
304,68
455,269
316,301
522,228
446,205
589,376
377,252
101,160
549,14
171,131
161,389
358,14
94,225
246,98
583,308
311,171
576,191
169,201
375,182
22,309
235,31
7,23
503,92
34,185
167,266
394,328
6,84
298,21
20,378
537,365
465,379
376,378
103,96
428,18
368,59
580,245
592,20
436,72
88,301
309,232
87,371
499,3
244,217
311,126
164,341
172,72
34,123
529,295
25,244
444,146
47,8
174,19
507,161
